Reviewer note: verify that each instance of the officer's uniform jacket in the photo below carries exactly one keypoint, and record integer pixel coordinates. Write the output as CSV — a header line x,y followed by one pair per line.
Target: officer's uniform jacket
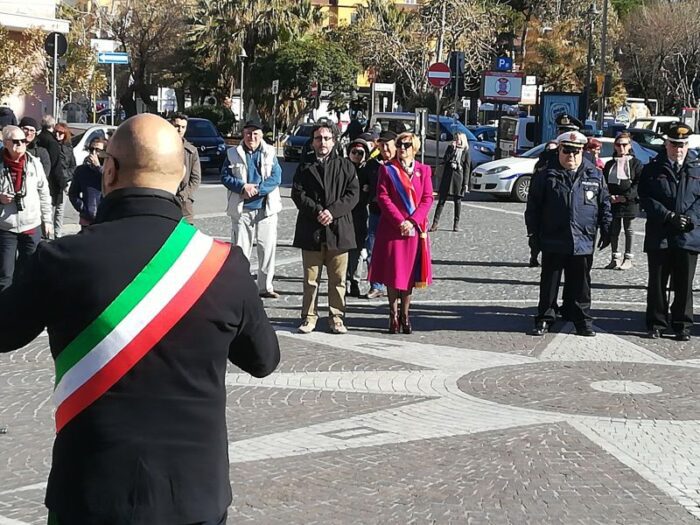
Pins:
x,y
663,192
153,449
564,213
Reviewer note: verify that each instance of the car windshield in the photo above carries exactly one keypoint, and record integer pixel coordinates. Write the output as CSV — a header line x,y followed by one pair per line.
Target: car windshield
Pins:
x,y
303,131
200,128
534,152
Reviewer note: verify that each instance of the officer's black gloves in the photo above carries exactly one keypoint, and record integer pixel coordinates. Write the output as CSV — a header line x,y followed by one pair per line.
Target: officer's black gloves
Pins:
x,y
604,241
533,241
680,222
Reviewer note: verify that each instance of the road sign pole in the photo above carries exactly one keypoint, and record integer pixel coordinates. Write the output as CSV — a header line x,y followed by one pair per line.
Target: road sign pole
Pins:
x,y
437,131
274,121
113,95
55,75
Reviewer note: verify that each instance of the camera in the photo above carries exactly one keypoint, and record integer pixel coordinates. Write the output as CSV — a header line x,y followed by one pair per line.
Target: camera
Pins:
x,y
19,201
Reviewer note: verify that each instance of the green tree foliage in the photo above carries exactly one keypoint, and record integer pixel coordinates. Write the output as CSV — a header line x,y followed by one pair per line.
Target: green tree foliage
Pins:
x,y
23,58
221,28
296,65
81,74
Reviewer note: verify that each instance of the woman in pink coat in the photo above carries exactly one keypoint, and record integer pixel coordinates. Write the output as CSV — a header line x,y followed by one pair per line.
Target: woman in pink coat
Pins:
x,y
401,256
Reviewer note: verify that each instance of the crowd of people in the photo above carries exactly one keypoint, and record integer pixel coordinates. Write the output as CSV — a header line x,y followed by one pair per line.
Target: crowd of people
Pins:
x,y
365,207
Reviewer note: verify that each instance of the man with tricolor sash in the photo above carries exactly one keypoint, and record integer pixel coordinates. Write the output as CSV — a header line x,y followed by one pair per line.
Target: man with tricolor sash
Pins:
x,y
143,312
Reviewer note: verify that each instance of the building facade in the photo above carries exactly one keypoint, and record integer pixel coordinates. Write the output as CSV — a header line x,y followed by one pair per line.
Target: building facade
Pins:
x,y
16,16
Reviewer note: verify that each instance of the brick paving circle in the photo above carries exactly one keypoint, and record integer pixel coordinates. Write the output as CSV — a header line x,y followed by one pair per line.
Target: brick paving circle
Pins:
x,y
571,388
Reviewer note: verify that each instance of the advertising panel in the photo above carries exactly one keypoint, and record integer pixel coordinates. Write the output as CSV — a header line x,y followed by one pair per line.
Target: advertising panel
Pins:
x,y
553,105
500,86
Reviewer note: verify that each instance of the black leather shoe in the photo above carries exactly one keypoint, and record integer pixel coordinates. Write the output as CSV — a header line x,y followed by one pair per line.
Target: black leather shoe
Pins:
x,y
585,331
654,333
540,329
683,336
534,263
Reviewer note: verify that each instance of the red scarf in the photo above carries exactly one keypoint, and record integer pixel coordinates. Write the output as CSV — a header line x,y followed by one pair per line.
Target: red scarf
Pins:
x,y
16,168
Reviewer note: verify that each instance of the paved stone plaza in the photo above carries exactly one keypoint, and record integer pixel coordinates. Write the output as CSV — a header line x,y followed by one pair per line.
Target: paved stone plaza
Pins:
x,y
468,420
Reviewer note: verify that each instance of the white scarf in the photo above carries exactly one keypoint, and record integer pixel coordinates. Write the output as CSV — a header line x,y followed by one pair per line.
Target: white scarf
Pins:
x,y
620,170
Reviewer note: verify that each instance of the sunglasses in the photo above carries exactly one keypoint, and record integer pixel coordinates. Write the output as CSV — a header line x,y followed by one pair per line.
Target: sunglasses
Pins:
x,y
95,150
17,142
571,151
357,152
677,144
404,145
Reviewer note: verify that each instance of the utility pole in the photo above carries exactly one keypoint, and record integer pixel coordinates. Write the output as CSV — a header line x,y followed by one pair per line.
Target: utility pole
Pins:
x,y
603,52
591,13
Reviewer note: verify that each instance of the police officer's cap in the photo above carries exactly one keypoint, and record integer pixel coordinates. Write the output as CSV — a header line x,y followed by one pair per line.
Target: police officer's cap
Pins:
x,y
572,138
387,136
566,121
678,132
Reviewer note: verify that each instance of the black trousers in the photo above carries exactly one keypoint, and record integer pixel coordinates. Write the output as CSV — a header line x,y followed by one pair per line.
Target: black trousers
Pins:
x,y
576,301
678,265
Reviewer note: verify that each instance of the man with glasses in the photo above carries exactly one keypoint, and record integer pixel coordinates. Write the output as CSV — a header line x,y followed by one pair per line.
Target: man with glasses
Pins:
x,y
29,126
193,170
25,205
85,192
669,193
253,176
567,204
325,190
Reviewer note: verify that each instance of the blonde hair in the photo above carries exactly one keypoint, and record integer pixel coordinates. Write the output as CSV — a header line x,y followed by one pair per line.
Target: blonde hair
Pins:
x,y
407,135
461,140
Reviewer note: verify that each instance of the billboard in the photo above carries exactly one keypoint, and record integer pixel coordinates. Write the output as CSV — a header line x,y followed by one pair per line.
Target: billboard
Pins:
x,y
552,105
501,86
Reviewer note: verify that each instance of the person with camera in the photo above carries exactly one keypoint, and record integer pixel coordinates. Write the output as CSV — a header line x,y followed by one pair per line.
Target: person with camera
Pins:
x,y
669,193
25,205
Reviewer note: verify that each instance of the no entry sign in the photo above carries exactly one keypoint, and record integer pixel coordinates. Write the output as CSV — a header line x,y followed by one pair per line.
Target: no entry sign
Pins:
x,y
439,75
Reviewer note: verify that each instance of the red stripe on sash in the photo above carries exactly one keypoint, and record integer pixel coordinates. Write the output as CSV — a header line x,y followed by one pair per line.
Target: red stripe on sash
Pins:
x,y
151,335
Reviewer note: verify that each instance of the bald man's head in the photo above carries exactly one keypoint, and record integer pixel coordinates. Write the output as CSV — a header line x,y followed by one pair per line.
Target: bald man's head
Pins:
x,y
144,152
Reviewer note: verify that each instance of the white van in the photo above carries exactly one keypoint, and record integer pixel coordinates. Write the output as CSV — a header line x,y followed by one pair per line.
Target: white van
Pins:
x,y
659,123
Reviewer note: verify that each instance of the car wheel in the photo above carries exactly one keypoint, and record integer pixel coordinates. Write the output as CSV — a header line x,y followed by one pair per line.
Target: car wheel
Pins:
x,y
521,188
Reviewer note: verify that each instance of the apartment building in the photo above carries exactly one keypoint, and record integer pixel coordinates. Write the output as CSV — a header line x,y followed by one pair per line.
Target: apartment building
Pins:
x,y
341,12
16,16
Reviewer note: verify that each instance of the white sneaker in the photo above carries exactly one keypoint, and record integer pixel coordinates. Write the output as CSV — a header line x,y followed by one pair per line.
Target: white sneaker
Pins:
x,y
307,327
337,326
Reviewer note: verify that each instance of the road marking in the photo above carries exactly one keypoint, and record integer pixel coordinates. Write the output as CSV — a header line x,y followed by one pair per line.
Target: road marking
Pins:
x,y
35,486
10,521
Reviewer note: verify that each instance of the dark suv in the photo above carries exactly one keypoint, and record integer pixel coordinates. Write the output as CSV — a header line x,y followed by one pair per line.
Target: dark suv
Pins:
x,y
208,141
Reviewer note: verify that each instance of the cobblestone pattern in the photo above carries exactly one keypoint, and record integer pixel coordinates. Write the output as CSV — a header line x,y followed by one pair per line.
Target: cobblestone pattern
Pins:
x,y
566,387
530,475
260,411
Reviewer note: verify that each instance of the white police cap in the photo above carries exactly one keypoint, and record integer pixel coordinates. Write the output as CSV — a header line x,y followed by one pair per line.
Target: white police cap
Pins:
x,y
572,138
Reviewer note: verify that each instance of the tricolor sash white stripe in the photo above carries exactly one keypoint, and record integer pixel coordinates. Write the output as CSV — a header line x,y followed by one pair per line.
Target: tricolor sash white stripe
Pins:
x,y
137,319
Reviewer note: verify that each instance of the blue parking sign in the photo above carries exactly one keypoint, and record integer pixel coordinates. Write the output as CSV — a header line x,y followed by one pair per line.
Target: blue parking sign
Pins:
x,y
504,64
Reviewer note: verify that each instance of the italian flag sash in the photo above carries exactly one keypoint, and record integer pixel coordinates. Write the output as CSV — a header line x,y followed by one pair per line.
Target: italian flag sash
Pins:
x,y
407,193
141,315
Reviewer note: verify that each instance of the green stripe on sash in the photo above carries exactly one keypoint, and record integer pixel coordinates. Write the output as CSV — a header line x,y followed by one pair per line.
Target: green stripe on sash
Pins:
x,y
126,300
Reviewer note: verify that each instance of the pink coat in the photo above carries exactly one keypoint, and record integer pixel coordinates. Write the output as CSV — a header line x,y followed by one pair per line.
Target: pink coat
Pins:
x,y
394,256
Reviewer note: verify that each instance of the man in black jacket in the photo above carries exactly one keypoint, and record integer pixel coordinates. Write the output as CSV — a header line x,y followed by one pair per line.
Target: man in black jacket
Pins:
x,y
29,126
325,190
669,192
567,204
140,358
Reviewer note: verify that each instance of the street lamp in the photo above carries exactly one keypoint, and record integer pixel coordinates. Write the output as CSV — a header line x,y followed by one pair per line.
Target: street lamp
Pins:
x,y
591,13
242,56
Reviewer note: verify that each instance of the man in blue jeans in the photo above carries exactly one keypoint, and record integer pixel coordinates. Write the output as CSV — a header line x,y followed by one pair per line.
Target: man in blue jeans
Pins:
x,y
25,204
387,148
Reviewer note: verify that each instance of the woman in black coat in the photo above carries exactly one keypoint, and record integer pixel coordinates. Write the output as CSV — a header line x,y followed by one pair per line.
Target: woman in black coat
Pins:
x,y
358,153
455,179
58,184
622,175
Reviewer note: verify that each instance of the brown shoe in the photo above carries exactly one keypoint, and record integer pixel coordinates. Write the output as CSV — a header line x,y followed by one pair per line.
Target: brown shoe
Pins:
x,y
269,295
337,326
307,327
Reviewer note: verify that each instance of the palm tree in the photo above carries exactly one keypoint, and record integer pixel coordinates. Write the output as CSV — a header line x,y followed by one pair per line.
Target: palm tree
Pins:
x,y
221,28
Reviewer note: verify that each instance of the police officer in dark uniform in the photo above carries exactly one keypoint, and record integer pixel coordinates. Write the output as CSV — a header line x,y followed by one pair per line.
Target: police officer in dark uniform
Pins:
x,y
568,202
670,195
